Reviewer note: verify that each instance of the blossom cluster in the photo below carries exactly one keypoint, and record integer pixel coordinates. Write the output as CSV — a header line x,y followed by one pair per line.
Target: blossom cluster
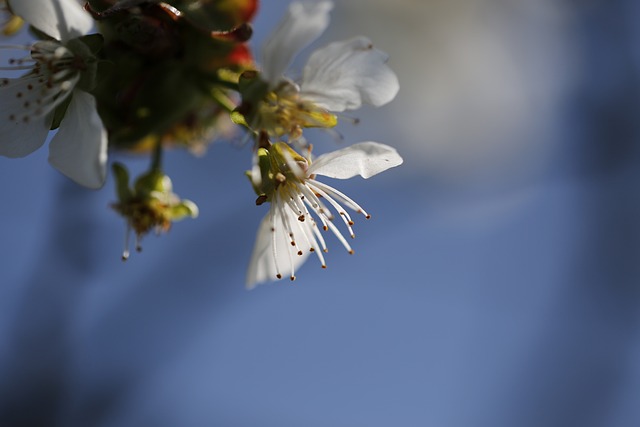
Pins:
x,y
145,75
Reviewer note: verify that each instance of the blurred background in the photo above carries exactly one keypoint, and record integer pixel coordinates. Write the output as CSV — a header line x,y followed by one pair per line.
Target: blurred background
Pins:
x,y
497,284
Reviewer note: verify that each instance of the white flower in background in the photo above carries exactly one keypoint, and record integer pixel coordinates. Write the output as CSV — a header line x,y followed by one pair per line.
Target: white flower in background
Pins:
x,y
9,23
300,204
341,76
57,72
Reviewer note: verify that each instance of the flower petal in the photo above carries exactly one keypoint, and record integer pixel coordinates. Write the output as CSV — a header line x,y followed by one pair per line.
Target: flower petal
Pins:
x,y
79,149
303,23
365,159
266,262
60,19
344,75
19,134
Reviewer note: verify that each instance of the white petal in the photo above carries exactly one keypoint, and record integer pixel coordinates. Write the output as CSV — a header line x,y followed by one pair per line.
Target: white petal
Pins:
x,y
365,159
79,149
344,75
19,136
60,19
262,267
303,23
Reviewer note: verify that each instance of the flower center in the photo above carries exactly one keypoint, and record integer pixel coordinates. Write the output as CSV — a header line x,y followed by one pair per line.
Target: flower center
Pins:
x,y
54,71
283,112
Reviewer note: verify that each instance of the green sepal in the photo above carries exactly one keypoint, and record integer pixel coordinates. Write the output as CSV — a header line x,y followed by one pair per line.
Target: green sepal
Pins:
x,y
186,208
121,176
60,112
238,118
153,180
94,42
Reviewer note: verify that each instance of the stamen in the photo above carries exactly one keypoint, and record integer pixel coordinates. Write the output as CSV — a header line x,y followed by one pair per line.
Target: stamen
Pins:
x,y
345,216
272,220
345,199
340,237
127,236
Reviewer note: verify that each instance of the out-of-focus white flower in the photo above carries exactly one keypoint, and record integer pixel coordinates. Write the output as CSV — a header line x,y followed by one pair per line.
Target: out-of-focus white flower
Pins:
x,y
9,23
341,76
57,72
290,230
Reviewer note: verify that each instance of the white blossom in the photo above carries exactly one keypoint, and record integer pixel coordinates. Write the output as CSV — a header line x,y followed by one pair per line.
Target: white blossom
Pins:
x,y
338,77
300,205
55,70
341,76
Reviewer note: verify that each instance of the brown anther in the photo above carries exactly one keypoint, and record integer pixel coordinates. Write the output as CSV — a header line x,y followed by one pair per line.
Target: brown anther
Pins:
x,y
279,276
299,253
351,222
249,74
324,266
261,199
301,218
312,249
351,252
292,278
325,228
241,33
368,217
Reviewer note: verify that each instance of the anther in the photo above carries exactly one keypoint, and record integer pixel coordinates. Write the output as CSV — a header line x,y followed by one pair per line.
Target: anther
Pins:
x,y
279,276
